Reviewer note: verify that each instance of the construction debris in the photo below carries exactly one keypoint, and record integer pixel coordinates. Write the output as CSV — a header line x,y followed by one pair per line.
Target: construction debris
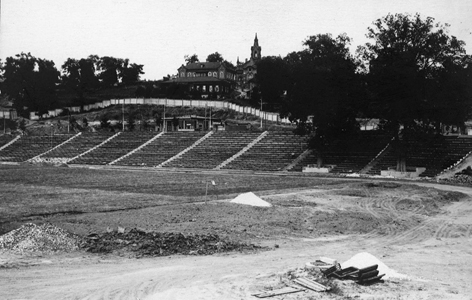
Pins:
x,y
365,259
311,284
282,291
39,238
141,243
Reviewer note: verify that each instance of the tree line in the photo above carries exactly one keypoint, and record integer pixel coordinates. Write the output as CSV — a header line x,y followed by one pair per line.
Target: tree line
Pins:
x,y
32,83
411,75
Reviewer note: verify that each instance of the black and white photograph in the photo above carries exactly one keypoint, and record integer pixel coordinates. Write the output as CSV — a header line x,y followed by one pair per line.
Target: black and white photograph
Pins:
x,y
235,149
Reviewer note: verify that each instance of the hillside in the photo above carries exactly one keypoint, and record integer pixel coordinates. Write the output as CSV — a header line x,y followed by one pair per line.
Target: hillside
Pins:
x,y
146,113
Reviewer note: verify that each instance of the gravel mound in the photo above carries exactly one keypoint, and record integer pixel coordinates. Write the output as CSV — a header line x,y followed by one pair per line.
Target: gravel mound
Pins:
x,y
39,238
142,243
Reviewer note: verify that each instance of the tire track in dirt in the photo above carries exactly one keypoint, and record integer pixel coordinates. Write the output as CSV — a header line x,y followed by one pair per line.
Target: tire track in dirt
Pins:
x,y
439,226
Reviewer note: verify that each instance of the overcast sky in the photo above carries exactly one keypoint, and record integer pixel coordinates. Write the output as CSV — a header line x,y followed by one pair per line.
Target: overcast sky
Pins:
x,y
158,33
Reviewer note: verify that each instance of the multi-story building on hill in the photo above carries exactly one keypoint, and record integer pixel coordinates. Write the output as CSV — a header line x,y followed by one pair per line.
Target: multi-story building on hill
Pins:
x,y
218,79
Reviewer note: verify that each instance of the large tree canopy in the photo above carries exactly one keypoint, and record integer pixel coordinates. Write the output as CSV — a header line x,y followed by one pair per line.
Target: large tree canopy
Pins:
x,y
324,85
30,82
215,57
190,59
79,75
273,78
416,76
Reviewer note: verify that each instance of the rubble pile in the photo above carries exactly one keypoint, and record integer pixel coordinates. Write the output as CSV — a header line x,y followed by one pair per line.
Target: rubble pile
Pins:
x,y
143,243
39,238
458,179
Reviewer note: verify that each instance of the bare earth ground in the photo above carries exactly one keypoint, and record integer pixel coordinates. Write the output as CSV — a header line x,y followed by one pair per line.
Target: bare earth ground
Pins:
x,y
423,231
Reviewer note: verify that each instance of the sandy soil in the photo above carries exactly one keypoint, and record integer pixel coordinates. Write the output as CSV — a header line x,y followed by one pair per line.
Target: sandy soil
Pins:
x,y
430,241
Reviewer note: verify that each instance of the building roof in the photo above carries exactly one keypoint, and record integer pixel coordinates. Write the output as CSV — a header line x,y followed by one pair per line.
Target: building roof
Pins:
x,y
196,80
202,65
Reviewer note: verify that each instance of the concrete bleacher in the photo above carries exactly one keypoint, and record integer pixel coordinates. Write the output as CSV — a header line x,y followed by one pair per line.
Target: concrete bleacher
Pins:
x,y
78,145
115,148
214,150
28,147
268,151
162,148
353,158
435,156
273,153
5,139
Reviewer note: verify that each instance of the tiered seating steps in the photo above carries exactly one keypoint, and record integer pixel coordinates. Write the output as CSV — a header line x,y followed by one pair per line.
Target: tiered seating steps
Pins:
x,y
214,150
435,156
115,148
162,149
78,145
350,160
27,147
273,153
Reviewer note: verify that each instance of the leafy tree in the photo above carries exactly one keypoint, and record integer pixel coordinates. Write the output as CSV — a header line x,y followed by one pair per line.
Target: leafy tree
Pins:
x,y
325,86
108,67
413,63
30,82
79,75
130,73
190,59
272,78
215,57
104,122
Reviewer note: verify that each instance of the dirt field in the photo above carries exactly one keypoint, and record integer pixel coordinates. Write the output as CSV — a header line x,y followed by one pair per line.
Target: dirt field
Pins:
x,y
420,230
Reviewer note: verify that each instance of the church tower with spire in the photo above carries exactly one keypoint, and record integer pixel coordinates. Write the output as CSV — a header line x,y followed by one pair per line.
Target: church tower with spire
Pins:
x,y
256,50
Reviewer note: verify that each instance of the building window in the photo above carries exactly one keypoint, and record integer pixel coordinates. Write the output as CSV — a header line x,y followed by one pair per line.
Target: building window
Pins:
x,y
215,74
222,74
204,88
217,88
210,88
182,74
209,74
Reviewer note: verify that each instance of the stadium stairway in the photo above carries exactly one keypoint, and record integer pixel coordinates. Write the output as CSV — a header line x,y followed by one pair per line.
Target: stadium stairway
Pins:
x,y
376,159
27,147
93,148
189,148
214,150
6,141
274,152
137,149
298,160
249,146
38,158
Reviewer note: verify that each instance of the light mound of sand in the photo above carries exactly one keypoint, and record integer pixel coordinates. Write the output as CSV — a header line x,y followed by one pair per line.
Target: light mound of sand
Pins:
x,y
250,199
365,259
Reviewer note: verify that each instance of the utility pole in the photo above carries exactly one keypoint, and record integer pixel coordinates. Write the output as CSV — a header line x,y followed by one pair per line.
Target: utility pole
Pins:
x,y
164,119
123,113
260,113
52,128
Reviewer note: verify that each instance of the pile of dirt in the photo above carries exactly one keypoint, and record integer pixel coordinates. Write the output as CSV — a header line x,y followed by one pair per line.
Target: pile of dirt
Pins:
x,y
39,238
463,179
142,243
